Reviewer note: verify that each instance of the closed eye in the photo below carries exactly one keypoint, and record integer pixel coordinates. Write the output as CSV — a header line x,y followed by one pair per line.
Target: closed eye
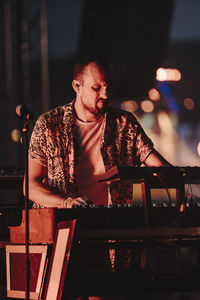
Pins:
x,y
96,89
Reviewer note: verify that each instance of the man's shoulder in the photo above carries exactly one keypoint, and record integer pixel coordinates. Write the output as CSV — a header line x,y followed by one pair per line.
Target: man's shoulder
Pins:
x,y
117,112
55,114
52,113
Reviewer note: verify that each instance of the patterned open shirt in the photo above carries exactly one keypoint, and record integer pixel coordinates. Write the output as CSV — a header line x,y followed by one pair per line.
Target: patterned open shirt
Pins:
x,y
55,144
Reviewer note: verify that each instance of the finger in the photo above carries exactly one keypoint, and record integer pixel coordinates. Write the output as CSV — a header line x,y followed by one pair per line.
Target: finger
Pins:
x,y
73,202
82,200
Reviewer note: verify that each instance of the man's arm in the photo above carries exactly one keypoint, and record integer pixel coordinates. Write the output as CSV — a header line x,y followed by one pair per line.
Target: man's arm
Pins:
x,y
41,193
155,159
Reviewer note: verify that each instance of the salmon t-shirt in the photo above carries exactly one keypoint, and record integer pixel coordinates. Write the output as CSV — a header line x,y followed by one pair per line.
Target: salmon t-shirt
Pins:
x,y
90,162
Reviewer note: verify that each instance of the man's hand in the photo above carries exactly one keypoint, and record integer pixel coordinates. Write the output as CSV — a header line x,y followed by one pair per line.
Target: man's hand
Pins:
x,y
155,159
70,202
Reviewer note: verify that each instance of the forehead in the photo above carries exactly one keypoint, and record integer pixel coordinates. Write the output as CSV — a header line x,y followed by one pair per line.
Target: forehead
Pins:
x,y
95,74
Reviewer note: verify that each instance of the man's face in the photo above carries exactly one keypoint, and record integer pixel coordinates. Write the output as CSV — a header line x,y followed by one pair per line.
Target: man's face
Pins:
x,y
95,89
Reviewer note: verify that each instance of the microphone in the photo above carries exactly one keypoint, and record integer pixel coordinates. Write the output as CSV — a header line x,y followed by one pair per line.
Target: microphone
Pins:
x,y
24,113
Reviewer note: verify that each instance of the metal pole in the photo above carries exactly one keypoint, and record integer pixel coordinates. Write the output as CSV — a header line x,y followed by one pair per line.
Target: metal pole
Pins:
x,y
44,56
25,141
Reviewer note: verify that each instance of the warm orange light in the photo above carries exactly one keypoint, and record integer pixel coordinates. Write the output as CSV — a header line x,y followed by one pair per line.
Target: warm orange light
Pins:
x,y
153,94
189,103
165,123
16,135
198,148
161,74
168,74
175,75
129,105
147,106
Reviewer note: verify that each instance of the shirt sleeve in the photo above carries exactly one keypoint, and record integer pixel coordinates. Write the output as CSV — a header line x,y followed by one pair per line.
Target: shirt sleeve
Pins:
x,y
143,143
38,142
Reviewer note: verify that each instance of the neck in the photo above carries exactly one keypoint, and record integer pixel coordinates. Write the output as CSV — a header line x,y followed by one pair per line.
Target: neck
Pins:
x,y
85,115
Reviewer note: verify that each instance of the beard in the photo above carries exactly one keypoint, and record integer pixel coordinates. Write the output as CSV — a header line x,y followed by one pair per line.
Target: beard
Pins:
x,y
99,107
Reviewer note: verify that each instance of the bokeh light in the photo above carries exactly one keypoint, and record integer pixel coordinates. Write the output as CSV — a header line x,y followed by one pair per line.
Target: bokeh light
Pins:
x,y
165,122
16,135
154,95
161,74
168,74
129,105
198,148
148,120
147,106
189,103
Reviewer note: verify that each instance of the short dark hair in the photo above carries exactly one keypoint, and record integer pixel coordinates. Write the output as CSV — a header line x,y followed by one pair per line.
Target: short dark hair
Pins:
x,y
84,60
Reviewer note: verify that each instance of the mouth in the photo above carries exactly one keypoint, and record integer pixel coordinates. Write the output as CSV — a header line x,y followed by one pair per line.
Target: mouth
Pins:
x,y
102,105
102,101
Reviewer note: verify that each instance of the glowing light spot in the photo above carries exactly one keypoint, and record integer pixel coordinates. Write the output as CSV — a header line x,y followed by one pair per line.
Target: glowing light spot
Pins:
x,y
189,103
161,74
147,106
165,123
174,120
177,75
198,148
129,105
148,120
168,74
154,95
16,135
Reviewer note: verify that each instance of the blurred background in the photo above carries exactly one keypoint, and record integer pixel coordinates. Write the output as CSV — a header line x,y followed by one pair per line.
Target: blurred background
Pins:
x,y
153,45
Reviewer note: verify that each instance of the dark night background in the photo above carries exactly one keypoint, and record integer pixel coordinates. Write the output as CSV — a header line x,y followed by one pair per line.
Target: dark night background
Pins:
x,y
137,37
39,40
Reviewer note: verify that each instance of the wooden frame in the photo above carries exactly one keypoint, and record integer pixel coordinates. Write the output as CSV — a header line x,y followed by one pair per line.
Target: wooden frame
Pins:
x,y
15,272
59,260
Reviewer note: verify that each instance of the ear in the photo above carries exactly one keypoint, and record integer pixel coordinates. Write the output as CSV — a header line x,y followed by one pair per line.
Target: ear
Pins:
x,y
76,85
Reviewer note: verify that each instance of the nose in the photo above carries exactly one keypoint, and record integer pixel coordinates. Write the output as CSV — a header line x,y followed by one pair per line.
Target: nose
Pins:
x,y
104,93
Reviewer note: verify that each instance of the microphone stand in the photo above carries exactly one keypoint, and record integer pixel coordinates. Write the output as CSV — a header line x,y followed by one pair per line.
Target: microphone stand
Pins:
x,y
26,115
25,143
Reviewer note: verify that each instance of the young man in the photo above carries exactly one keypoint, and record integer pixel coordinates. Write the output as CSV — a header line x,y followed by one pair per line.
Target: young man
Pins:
x,y
72,145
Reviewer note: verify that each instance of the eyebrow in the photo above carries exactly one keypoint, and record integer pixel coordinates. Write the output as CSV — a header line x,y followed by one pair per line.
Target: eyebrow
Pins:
x,y
104,83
